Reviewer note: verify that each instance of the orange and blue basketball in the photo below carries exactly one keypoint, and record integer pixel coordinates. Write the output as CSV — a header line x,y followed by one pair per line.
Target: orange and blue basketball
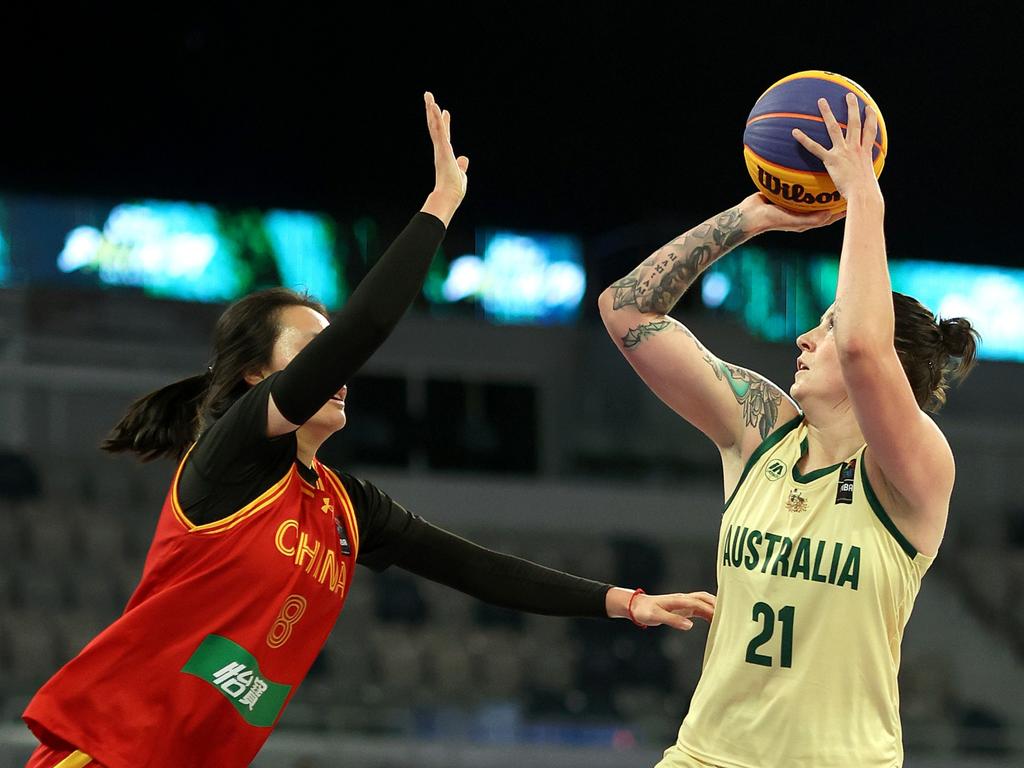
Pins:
x,y
785,172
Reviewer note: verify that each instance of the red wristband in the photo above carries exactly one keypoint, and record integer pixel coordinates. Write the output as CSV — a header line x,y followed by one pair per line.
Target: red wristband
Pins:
x,y
629,607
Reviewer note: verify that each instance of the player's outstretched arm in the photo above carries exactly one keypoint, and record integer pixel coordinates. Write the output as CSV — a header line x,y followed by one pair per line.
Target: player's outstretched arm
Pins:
x,y
521,585
721,400
383,296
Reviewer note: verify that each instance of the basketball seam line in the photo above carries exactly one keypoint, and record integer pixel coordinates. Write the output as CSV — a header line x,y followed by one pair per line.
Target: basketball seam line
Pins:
x,y
803,117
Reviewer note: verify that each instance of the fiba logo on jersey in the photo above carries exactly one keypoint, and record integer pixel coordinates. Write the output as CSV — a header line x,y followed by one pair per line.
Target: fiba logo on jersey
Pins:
x,y
847,475
346,548
775,469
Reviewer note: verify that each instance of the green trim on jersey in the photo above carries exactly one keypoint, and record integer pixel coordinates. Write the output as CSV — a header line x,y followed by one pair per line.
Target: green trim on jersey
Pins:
x,y
804,479
766,445
880,513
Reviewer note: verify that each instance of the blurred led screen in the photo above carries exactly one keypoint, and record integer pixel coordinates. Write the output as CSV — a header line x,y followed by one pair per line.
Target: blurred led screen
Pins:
x,y
194,252
178,250
517,278
779,295
191,251
992,298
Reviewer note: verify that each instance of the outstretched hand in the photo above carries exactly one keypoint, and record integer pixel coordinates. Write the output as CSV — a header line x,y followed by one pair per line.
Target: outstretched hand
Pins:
x,y
849,162
450,179
673,610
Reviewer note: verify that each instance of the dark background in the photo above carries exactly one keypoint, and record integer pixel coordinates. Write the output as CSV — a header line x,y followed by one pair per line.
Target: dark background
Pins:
x,y
580,117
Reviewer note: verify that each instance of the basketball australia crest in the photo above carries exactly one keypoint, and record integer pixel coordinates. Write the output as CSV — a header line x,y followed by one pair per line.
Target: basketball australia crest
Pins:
x,y
796,502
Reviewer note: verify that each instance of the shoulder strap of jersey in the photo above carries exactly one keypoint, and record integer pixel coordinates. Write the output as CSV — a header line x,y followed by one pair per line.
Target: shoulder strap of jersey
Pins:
x,y
265,499
348,510
766,445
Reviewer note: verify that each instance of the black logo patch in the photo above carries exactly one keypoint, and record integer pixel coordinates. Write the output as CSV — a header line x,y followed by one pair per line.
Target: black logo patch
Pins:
x,y
346,548
847,475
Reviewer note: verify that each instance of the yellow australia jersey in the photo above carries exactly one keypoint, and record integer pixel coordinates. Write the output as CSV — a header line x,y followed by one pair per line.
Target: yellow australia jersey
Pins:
x,y
815,586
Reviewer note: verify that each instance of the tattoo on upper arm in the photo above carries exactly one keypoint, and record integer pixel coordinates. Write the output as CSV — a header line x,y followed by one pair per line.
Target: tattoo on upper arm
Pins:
x,y
635,335
760,400
660,281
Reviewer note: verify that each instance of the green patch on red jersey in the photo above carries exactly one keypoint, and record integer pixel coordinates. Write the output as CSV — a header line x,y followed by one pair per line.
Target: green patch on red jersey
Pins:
x,y
234,672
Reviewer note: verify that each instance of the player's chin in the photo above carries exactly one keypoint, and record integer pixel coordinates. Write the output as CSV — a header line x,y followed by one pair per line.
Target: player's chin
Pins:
x,y
796,391
331,418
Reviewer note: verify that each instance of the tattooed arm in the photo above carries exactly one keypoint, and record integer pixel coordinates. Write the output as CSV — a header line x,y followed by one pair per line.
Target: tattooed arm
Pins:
x,y
734,407
661,280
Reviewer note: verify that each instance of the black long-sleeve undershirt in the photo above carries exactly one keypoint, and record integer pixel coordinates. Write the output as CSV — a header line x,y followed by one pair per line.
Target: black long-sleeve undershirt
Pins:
x,y
218,479
499,579
234,461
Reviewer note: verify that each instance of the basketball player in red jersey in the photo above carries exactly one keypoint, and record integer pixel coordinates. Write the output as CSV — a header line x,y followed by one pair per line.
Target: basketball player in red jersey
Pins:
x,y
256,545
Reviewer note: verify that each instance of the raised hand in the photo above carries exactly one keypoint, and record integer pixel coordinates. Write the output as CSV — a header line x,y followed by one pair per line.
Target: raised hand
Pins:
x,y
450,179
762,215
849,162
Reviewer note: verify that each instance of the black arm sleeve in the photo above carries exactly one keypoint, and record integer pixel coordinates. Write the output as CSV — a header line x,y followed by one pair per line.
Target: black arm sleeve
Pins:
x,y
373,310
389,533
498,579
386,528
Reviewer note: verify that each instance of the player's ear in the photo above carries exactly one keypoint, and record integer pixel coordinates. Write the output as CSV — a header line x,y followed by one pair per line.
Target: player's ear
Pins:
x,y
254,377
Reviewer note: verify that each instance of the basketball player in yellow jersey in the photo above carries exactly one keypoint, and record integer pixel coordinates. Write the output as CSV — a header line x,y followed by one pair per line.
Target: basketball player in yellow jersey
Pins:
x,y
836,496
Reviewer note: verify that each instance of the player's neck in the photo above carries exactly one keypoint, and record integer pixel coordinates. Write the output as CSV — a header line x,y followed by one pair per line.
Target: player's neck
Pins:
x,y
307,444
831,438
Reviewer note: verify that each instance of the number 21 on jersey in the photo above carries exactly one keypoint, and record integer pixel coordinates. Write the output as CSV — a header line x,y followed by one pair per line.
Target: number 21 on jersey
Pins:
x,y
764,612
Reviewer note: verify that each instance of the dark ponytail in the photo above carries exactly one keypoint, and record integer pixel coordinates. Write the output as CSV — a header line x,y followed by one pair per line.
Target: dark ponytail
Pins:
x,y
162,423
935,353
168,421
960,343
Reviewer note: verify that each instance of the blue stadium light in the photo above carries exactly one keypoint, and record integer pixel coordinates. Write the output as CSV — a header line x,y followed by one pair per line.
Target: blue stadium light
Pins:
x,y
170,249
303,245
5,265
714,289
531,277
465,278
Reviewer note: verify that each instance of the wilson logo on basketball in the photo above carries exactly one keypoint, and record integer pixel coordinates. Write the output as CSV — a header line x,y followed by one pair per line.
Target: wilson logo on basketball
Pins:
x,y
773,185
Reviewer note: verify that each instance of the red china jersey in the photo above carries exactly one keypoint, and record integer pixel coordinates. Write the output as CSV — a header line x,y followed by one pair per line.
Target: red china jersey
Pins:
x,y
224,625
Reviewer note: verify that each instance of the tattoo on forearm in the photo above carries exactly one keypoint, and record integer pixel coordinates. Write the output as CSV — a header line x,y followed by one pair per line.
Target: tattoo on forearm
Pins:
x,y
645,330
659,282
